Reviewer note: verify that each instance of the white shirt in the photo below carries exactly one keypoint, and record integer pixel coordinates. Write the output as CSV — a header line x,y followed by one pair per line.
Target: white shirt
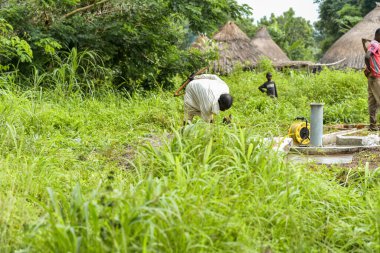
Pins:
x,y
203,94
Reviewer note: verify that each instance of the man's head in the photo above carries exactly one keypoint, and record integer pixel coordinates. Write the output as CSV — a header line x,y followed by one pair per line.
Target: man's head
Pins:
x,y
269,76
377,35
225,101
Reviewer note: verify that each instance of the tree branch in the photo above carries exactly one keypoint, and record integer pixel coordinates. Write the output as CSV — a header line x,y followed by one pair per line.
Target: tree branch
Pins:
x,y
82,9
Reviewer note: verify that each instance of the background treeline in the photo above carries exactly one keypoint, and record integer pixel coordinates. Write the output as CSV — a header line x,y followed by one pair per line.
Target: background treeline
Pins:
x,y
337,17
143,43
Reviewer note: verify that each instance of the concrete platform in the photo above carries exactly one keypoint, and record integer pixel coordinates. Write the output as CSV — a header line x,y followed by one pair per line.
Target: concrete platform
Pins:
x,y
321,159
341,142
331,138
330,150
370,140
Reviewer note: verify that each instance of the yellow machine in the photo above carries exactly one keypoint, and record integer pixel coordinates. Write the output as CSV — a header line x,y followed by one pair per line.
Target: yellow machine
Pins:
x,y
300,131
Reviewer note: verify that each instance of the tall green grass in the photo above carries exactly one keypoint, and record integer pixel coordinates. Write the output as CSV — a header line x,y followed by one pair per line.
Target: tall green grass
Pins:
x,y
214,189
105,172
344,95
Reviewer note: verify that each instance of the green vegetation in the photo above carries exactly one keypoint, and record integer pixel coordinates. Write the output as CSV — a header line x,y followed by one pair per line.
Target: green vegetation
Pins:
x,y
146,49
93,157
293,34
106,172
337,17
144,42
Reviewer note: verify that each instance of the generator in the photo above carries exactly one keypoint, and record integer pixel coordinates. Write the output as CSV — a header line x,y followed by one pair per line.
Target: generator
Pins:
x,y
299,131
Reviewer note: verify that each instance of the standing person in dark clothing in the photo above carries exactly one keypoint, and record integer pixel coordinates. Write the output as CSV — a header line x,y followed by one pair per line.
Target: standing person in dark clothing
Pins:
x,y
269,86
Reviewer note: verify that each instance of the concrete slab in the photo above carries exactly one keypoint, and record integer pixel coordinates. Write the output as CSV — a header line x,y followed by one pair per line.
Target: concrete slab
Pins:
x,y
331,137
330,150
369,140
342,140
321,159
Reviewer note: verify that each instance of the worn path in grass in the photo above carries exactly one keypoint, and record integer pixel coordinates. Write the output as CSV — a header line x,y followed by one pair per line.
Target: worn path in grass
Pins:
x,y
360,159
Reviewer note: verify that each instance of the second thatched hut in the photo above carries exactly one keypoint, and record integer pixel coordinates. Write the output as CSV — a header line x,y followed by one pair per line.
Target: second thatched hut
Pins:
x,y
201,42
349,48
265,45
234,49
263,42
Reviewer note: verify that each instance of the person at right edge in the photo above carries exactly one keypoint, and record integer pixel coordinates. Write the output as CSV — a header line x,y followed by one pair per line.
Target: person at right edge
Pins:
x,y
372,72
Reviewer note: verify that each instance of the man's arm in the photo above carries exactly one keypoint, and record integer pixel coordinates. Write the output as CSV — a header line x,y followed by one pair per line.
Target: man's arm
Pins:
x,y
275,90
263,87
207,117
366,59
367,70
363,42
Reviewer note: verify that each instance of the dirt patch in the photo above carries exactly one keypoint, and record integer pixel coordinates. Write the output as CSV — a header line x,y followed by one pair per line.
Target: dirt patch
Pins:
x,y
353,173
360,159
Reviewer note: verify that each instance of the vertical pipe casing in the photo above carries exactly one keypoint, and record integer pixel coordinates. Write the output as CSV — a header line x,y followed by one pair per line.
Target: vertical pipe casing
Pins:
x,y
316,124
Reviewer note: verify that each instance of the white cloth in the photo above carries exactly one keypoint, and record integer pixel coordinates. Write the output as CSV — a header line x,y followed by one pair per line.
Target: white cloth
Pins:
x,y
201,97
207,76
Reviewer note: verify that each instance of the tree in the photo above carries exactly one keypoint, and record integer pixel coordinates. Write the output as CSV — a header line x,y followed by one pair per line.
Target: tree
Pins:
x,y
12,49
293,34
207,15
350,16
336,17
247,26
367,6
143,41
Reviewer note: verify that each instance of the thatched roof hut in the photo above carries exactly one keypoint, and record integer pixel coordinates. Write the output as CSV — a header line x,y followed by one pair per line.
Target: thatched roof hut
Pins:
x,y
349,46
234,48
201,42
263,42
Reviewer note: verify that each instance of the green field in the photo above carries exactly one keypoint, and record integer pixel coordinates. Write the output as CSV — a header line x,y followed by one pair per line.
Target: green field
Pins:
x,y
112,172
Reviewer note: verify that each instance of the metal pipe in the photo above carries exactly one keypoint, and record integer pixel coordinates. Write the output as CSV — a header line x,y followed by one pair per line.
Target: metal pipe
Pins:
x,y
316,124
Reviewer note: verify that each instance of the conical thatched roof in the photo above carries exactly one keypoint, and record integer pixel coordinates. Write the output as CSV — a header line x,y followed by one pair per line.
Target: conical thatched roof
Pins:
x,y
200,42
267,47
234,48
230,32
349,46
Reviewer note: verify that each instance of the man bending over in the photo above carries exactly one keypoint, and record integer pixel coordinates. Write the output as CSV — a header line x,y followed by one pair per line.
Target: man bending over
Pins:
x,y
205,96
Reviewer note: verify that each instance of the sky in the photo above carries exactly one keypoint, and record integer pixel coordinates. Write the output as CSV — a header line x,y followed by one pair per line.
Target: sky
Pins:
x,y
303,8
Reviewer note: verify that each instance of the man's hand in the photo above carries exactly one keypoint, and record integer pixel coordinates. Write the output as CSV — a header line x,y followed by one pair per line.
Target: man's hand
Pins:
x,y
367,72
364,41
191,77
227,120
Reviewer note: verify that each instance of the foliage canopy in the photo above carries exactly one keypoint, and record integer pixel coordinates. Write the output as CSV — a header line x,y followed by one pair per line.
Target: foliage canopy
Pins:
x,y
337,17
293,34
143,41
